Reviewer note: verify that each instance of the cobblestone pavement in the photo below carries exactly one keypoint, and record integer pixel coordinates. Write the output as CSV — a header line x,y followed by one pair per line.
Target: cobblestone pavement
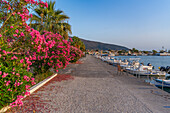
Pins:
x,y
97,88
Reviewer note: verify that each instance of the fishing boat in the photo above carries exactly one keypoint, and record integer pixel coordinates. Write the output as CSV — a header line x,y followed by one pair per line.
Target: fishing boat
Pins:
x,y
124,63
132,66
163,82
150,73
143,70
105,58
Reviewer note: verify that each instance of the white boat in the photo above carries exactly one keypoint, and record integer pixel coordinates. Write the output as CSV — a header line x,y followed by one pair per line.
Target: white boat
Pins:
x,y
144,71
164,82
105,58
116,61
132,66
124,63
149,73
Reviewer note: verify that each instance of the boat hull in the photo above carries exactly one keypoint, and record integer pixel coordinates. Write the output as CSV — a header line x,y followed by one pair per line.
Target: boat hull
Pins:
x,y
165,83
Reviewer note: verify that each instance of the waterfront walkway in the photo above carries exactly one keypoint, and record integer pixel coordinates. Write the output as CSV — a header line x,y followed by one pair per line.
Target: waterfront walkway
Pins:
x,y
97,88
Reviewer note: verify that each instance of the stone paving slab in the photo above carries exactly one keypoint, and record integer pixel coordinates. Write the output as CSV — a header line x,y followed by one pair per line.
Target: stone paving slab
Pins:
x,y
97,88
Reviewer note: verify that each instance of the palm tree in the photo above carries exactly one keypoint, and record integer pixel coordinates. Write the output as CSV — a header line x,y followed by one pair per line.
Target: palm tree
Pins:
x,y
51,20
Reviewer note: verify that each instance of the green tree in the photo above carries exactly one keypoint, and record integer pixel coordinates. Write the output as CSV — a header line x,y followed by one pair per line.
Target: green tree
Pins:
x,y
161,51
78,43
51,20
146,52
120,52
154,52
134,50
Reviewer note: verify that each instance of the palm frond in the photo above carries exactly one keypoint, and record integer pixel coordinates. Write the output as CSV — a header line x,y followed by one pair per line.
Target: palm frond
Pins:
x,y
51,20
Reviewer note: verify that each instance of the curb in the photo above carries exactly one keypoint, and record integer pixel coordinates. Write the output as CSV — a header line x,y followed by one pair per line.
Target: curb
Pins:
x,y
35,87
32,89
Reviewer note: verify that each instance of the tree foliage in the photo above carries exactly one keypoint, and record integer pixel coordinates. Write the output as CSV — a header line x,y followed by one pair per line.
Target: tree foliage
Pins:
x,y
134,50
78,43
154,52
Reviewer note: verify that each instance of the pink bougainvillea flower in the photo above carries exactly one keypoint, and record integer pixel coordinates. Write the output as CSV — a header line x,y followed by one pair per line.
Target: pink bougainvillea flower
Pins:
x,y
13,13
14,35
16,30
28,68
0,72
33,83
4,75
17,102
22,34
17,83
15,57
11,27
7,83
32,79
46,4
27,87
0,35
21,61
27,93
9,8
4,52
26,78
9,89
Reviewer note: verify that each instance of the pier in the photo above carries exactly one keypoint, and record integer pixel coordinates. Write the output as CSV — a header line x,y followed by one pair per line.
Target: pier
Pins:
x,y
94,87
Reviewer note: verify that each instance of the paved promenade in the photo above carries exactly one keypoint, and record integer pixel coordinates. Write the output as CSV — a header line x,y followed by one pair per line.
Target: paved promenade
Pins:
x,y
97,88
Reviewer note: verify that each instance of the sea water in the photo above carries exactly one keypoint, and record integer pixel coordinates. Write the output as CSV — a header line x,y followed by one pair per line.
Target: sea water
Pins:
x,y
156,61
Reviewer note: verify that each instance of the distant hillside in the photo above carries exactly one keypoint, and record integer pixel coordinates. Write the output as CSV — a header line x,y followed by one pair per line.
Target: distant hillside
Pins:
x,y
102,46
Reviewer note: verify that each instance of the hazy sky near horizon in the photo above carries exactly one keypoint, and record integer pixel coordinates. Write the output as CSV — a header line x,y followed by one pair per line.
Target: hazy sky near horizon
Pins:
x,y
143,24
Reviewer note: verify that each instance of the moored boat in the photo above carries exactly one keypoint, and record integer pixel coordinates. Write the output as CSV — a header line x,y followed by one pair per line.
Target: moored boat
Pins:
x,y
162,82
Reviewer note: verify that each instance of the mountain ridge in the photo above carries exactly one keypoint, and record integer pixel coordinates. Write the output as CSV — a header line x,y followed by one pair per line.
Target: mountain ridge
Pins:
x,y
95,45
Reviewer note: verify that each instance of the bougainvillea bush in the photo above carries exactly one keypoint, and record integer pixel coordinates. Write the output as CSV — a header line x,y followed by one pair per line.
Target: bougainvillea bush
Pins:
x,y
23,48
75,54
48,50
15,78
13,17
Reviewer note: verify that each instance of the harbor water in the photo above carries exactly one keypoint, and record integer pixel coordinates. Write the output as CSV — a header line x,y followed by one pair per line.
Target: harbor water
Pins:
x,y
156,61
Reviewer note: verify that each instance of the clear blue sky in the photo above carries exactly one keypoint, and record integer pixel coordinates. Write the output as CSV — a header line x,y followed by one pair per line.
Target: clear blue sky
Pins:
x,y
143,24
